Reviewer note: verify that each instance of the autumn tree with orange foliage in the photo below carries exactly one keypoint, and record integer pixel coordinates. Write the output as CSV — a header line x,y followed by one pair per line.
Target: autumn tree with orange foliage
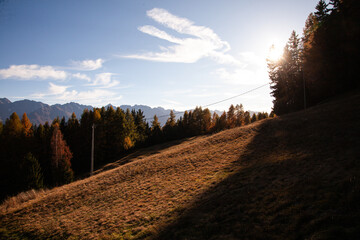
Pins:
x,y
27,126
61,158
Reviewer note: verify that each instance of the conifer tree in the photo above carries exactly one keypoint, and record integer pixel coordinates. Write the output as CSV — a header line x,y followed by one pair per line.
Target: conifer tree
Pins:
x,y
156,133
231,118
321,11
141,126
214,120
170,127
239,115
61,158
13,126
27,126
254,118
206,116
130,131
247,118
335,4
222,123
32,172
287,78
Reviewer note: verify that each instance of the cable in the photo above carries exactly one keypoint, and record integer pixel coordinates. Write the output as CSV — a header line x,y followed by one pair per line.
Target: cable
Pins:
x,y
251,90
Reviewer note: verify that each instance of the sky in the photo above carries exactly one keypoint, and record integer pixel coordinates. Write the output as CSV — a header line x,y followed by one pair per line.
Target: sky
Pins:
x,y
173,54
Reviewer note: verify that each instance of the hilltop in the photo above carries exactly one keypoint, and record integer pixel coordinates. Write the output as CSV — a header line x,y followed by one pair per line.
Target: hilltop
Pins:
x,y
290,177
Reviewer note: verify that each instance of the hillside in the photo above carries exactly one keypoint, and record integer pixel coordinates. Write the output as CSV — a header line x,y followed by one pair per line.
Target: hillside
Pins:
x,y
291,177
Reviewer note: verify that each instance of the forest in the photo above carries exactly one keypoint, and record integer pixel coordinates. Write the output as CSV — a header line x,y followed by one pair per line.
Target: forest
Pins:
x,y
54,154
321,64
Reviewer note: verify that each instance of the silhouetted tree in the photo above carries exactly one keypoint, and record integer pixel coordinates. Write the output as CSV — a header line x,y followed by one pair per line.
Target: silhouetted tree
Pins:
x,y
321,11
286,78
32,172
247,118
156,132
231,118
254,118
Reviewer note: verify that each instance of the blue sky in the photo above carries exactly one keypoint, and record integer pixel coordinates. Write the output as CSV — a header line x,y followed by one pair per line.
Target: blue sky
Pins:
x,y
174,54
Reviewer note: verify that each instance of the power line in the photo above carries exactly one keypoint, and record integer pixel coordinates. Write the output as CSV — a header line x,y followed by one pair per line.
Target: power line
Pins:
x,y
214,103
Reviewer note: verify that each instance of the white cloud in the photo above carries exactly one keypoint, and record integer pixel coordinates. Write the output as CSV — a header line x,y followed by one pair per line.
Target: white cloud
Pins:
x,y
95,97
61,94
104,80
30,72
88,65
82,76
204,42
57,89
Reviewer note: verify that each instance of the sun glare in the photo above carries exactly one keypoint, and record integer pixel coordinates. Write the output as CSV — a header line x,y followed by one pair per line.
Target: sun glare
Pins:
x,y
275,53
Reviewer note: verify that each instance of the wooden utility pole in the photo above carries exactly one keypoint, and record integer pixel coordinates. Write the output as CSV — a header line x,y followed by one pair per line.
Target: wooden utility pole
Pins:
x,y
304,89
92,150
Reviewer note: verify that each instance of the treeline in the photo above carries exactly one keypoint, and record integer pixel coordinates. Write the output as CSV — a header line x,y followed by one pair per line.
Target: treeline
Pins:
x,y
53,154
321,64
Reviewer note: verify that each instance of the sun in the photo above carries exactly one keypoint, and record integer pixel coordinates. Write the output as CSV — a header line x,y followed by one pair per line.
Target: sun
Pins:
x,y
275,53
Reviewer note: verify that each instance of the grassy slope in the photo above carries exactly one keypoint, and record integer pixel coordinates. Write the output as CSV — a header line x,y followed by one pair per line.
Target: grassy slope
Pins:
x,y
292,177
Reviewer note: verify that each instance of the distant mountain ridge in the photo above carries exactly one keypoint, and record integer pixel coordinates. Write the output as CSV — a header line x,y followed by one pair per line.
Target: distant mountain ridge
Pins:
x,y
39,112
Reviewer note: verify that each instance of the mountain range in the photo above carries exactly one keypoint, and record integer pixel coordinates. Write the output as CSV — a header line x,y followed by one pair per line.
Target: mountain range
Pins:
x,y
39,112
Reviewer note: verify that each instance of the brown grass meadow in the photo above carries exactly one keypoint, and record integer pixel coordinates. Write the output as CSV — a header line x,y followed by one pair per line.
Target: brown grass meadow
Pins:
x,y
291,177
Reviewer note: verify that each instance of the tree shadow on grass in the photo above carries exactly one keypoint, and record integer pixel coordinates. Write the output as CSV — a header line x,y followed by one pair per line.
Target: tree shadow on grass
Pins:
x,y
297,179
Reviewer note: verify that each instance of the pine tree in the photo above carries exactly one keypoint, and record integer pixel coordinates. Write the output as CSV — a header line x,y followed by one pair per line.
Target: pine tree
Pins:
x,y
321,11
254,118
156,132
130,131
170,128
287,78
335,4
141,126
32,172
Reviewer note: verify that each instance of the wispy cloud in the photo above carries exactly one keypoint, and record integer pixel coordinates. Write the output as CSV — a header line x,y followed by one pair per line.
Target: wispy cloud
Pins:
x,y
203,43
88,64
31,72
59,93
104,80
57,89
81,76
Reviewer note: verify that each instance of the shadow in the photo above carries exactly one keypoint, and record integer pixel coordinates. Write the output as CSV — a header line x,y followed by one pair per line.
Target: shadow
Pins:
x,y
139,154
297,179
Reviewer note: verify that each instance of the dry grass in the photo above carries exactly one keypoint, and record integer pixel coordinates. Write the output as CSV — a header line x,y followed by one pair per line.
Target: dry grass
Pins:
x,y
21,198
133,199
294,177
